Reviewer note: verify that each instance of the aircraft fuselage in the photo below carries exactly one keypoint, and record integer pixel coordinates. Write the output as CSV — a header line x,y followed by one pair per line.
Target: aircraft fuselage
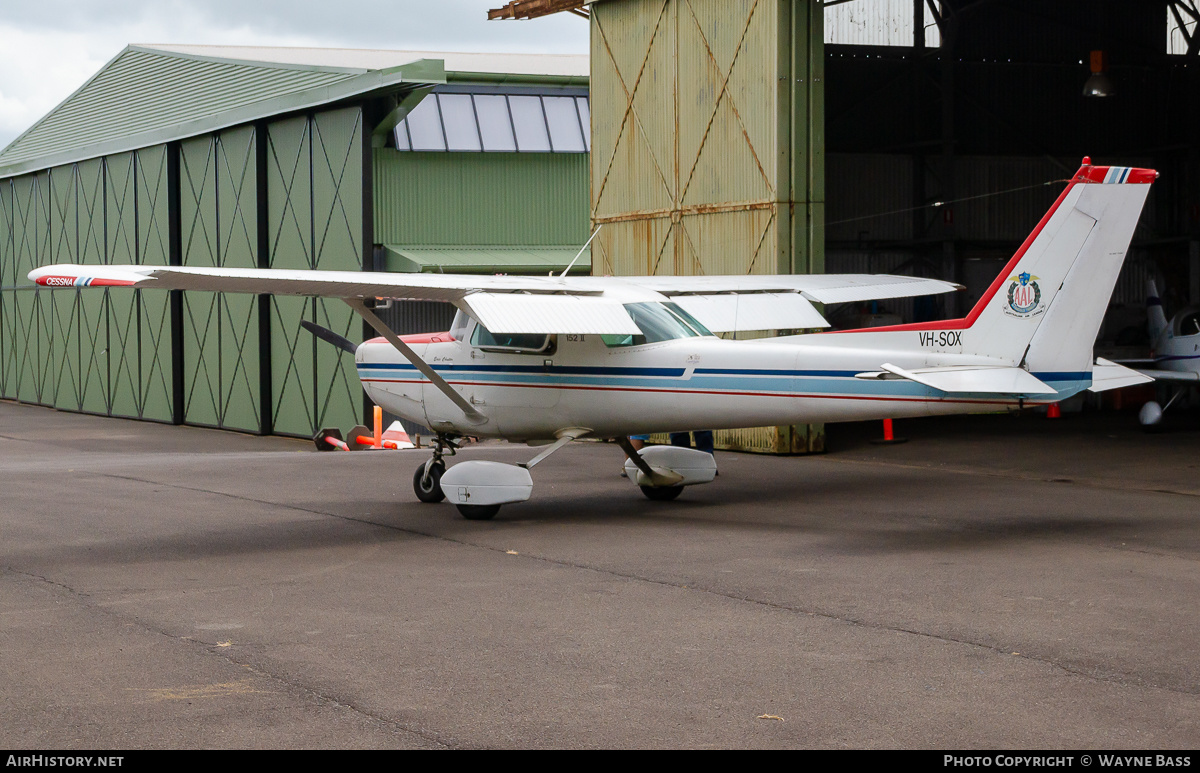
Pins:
x,y
682,384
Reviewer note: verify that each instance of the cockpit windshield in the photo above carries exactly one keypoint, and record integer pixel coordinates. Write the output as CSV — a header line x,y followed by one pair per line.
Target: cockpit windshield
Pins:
x,y
1189,323
658,322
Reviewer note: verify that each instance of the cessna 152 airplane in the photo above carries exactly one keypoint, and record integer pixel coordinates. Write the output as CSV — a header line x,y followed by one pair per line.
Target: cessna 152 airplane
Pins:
x,y
547,360
1175,346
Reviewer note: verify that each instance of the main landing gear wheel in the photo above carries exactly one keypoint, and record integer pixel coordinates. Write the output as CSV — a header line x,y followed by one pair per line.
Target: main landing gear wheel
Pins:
x,y
478,512
429,489
661,493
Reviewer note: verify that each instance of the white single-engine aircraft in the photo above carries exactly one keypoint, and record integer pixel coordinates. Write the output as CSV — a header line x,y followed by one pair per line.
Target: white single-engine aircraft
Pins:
x,y
547,360
1175,352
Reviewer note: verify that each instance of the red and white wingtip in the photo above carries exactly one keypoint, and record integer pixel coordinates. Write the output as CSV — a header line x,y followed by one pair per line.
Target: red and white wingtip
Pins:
x,y
396,438
70,275
1113,175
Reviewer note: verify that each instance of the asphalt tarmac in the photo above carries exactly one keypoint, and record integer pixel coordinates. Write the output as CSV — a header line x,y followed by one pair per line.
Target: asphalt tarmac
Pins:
x,y
996,582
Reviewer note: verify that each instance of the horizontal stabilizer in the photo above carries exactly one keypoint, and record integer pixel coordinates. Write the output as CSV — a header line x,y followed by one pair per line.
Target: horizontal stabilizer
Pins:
x,y
1183,376
517,313
985,379
1107,375
751,311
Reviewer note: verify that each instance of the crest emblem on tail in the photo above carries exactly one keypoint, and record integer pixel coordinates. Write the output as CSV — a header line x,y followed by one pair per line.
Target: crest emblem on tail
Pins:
x,y
1024,296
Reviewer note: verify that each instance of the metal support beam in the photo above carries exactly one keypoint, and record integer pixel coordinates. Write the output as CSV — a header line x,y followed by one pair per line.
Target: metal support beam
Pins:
x,y
532,9
950,257
400,106
175,258
266,415
367,193
1191,35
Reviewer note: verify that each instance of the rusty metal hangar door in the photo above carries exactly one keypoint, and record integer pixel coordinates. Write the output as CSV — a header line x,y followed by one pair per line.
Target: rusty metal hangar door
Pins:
x,y
708,146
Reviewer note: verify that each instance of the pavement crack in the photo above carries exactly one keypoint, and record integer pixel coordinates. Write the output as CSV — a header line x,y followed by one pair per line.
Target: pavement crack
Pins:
x,y
212,649
1121,680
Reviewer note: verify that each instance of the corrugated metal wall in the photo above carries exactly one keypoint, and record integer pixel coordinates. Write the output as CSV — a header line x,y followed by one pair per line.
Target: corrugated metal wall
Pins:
x,y
879,23
873,219
220,330
112,351
95,351
700,163
444,199
315,203
708,144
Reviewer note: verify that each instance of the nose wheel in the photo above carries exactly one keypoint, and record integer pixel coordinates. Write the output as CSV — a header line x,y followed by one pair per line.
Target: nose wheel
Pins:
x,y
427,479
427,482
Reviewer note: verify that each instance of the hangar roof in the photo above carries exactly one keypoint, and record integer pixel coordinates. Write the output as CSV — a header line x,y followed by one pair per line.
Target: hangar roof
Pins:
x,y
149,94
460,64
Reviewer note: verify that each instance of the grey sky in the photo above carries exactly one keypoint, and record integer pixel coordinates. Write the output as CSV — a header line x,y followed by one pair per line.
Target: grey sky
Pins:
x,y
49,48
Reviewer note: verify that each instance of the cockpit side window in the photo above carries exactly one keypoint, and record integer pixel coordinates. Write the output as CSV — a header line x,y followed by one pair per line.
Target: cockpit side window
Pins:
x,y
527,343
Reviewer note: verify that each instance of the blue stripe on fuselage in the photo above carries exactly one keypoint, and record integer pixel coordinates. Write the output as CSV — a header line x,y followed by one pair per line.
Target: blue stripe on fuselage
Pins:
x,y
765,381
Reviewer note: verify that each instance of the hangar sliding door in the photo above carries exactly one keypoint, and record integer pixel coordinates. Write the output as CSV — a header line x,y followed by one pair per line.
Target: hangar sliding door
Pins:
x,y
59,306
153,307
220,330
29,324
708,147
120,242
89,347
139,338
7,268
315,204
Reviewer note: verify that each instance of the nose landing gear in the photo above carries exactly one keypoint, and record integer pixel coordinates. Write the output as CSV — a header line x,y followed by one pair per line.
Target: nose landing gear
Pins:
x,y
427,479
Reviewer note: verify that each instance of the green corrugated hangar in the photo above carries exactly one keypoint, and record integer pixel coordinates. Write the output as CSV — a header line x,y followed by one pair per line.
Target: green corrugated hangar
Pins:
x,y
285,158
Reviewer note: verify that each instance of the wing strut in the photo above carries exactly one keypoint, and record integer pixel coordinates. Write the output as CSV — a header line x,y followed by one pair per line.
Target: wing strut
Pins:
x,y
475,416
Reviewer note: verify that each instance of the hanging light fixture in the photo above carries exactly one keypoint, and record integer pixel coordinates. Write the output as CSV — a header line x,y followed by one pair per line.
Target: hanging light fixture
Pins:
x,y
1098,84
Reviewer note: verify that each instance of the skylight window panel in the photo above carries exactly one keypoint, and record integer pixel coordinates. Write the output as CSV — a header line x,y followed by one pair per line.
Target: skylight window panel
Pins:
x,y
563,119
495,124
585,118
462,133
530,123
425,126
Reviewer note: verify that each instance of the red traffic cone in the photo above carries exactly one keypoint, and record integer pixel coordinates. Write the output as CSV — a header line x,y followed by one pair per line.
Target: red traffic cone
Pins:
x,y
889,437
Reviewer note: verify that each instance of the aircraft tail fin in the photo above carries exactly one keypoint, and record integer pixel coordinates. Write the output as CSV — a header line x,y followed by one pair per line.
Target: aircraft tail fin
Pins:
x,y
1042,313
1095,218
1156,317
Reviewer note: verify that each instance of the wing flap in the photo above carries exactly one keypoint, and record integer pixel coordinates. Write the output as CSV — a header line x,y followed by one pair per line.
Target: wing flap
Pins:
x,y
822,288
751,311
516,313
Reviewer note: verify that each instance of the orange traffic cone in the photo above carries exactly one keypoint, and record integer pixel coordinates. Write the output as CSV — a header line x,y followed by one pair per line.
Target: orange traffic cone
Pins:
x,y
889,436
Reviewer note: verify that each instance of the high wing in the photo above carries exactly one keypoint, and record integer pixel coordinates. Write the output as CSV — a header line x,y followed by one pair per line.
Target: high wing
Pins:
x,y
512,304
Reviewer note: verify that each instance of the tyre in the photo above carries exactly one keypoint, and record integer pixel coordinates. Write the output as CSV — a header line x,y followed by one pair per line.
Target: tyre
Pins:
x,y
478,512
661,493
429,490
